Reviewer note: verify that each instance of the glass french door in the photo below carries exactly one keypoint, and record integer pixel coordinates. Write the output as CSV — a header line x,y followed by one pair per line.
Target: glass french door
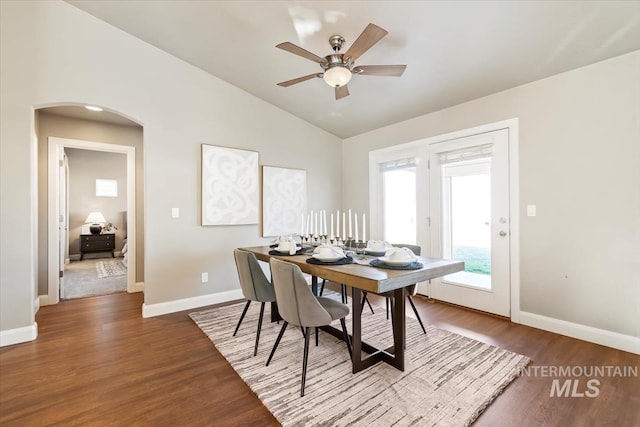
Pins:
x,y
469,211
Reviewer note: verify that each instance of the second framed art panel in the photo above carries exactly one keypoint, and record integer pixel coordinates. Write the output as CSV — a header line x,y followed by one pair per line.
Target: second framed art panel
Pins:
x,y
284,200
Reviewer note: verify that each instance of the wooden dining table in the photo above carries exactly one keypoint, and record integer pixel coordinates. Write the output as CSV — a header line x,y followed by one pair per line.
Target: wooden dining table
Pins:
x,y
363,277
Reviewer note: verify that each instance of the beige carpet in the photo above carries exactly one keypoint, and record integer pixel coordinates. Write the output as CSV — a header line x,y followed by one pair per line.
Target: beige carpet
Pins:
x,y
448,381
81,279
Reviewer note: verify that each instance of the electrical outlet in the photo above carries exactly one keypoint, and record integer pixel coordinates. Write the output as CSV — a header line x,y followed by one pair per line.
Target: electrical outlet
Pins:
x,y
205,277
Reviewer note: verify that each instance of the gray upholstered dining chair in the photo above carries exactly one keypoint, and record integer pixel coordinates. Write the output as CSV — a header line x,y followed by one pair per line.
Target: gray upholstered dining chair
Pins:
x,y
412,290
298,306
255,287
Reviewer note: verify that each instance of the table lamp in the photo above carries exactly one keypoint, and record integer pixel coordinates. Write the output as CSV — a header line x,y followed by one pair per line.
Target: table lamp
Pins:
x,y
96,219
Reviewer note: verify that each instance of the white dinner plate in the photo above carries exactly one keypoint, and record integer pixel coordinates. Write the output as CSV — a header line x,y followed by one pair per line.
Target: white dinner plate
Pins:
x,y
389,261
327,259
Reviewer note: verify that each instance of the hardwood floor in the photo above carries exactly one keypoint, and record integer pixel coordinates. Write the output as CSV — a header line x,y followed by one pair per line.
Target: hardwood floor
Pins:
x,y
98,362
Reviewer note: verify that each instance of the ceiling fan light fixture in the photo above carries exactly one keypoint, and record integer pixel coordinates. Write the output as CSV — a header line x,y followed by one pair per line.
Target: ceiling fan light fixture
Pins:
x,y
337,76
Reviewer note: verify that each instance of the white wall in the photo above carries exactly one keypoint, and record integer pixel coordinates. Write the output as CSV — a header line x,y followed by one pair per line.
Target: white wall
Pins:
x,y
580,164
53,53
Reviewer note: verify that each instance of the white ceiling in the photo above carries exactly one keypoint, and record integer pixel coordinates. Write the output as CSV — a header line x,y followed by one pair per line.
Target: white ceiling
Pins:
x,y
455,51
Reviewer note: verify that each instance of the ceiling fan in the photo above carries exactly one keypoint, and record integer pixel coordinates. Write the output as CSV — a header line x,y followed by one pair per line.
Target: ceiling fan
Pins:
x,y
340,67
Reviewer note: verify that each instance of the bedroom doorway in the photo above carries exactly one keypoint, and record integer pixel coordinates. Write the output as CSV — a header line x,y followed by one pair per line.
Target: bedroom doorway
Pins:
x,y
58,222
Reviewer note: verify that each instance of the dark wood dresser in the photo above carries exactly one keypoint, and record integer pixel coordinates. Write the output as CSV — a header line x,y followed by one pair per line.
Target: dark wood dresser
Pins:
x,y
97,243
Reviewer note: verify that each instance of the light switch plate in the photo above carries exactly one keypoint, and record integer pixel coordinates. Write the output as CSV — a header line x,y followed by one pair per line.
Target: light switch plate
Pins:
x,y
175,212
531,210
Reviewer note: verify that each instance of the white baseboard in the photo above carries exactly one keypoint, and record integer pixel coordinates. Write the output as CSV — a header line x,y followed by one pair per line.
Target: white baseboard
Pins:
x,y
36,305
43,300
152,310
587,333
139,286
18,335
74,257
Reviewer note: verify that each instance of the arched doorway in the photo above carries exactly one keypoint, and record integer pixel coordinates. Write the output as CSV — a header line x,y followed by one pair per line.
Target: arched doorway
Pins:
x,y
74,127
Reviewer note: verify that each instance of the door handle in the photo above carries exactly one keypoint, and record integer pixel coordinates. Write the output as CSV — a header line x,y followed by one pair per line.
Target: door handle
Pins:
x,y
502,233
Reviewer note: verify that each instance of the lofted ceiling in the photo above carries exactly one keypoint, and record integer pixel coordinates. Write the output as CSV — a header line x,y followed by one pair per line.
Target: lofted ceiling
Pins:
x,y
455,51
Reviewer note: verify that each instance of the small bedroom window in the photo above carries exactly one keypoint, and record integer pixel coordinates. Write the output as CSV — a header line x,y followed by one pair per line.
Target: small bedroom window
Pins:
x,y
106,188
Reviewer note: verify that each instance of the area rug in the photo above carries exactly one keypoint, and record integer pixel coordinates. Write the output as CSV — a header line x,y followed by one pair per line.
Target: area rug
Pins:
x,y
449,379
111,268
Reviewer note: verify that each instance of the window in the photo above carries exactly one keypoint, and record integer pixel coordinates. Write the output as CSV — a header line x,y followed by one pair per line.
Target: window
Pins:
x,y
399,190
106,188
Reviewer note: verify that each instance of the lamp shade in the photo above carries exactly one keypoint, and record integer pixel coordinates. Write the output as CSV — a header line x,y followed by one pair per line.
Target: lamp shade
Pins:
x,y
337,76
95,218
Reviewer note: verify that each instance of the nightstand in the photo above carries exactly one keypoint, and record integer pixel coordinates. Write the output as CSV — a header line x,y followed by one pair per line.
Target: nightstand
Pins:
x,y
97,243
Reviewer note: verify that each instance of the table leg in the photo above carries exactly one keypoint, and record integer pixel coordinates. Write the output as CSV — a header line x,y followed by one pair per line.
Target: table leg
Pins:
x,y
356,332
275,314
399,328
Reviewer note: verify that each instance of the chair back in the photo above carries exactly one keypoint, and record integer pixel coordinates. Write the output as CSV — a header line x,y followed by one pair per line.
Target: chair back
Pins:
x,y
413,289
254,284
296,303
414,248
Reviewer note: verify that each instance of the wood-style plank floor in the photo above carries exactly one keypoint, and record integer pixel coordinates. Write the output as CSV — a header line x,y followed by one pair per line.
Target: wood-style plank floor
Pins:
x,y
98,362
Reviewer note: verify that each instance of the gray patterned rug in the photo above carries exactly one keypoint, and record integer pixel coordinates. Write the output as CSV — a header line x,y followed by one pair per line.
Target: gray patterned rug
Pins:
x,y
111,268
448,379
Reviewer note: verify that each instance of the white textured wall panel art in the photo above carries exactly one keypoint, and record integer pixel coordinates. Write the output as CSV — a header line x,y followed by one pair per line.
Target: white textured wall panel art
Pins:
x,y
230,186
284,200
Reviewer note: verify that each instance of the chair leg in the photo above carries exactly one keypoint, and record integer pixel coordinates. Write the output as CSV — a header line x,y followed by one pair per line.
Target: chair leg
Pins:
x,y
364,298
346,337
317,336
255,350
343,291
416,312
246,307
305,359
369,304
387,301
275,345
322,287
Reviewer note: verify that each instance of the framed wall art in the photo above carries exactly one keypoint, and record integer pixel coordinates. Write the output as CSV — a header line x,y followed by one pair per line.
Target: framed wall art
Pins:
x,y
284,200
230,186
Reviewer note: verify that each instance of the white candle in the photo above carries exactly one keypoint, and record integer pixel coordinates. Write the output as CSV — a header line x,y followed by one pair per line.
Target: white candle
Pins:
x,y
356,218
331,226
324,221
344,225
338,221
350,230
364,229
301,224
308,220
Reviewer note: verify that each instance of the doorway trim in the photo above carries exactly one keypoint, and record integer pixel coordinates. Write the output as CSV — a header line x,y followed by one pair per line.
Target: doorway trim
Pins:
x,y
55,145
512,126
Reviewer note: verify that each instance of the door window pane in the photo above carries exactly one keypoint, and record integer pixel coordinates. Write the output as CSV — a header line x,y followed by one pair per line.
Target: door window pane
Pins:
x,y
467,219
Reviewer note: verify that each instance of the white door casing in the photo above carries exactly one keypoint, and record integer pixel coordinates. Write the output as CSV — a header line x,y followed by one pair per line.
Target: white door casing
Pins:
x,y
421,150
465,289
56,145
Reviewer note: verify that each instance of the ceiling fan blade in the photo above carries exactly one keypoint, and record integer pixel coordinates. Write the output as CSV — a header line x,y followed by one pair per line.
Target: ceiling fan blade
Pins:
x,y
370,36
380,70
299,80
342,91
297,50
